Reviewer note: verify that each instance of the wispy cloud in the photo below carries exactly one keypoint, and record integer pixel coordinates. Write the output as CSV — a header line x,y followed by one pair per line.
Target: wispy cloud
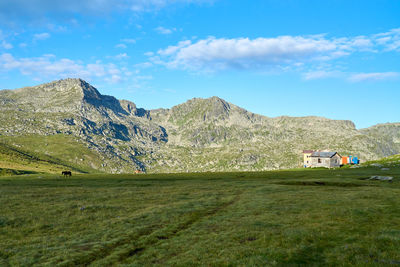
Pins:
x,y
3,42
38,9
163,30
322,74
6,45
56,28
374,76
128,41
389,40
41,36
119,56
48,66
144,65
122,46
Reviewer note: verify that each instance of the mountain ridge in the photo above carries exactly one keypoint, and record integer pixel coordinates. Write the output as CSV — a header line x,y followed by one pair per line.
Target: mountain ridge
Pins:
x,y
198,135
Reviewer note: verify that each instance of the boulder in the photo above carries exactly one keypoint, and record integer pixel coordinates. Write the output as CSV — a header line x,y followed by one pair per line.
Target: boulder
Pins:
x,y
376,165
381,178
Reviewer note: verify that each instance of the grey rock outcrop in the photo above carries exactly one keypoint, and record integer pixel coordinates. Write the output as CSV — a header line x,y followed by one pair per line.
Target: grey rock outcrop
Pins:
x,y
381,178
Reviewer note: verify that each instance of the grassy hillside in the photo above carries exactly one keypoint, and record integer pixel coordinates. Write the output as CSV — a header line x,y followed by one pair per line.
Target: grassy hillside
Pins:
x,y
47,154
309,217
391,161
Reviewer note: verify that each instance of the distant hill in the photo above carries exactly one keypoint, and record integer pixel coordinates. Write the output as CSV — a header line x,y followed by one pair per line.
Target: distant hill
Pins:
x,y
70,121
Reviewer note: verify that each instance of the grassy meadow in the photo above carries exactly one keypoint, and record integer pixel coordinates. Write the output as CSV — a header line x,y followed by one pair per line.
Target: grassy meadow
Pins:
x,y
296,217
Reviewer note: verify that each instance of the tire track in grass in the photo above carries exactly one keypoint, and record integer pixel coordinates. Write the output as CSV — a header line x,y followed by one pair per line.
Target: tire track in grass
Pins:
x,y
108,253
106,249
181,227
136,248
85,259
4,262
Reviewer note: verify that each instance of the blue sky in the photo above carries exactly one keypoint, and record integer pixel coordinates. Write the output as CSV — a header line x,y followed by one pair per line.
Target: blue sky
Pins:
x,y
338,59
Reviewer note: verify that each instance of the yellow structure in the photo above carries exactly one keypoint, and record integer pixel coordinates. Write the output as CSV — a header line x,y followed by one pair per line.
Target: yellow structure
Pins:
x,y
307,158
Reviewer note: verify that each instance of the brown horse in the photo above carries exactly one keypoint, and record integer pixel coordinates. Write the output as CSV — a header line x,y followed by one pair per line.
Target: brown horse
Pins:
x,y
66,173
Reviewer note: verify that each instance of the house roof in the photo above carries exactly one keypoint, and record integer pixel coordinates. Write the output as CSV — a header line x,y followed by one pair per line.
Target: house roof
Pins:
x,y
323,154
308,151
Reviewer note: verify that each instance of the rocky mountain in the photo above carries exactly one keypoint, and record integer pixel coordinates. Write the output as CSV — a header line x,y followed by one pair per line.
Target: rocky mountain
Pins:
x,y
117,131
199,135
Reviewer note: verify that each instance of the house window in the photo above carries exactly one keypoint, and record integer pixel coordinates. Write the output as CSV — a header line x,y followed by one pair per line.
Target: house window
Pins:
x,y
319,160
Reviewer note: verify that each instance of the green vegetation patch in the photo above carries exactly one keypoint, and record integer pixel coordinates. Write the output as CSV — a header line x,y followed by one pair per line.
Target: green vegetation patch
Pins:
x,y
10,172
51,153
296,217
393,160
322,183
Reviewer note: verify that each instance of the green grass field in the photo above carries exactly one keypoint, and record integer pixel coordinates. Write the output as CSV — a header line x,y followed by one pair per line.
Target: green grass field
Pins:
x,y
310,217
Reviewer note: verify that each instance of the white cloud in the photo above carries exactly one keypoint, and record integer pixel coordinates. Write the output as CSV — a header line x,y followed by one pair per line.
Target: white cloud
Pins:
x,y
41,36
144,65
48,66
97,69
122,46
56,28
121,56
6,45
45,65
114,79
374,76
245,53
3,42
351,77
27,10
321,74
388,40
128,41
148,5
170,50
214,54
163,30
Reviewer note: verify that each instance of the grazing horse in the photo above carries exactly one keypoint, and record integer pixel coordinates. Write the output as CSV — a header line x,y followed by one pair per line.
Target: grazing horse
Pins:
x,y
66,173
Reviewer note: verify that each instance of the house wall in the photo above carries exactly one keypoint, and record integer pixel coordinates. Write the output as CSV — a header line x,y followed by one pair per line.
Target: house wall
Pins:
x,y
307,159
326,162
335,161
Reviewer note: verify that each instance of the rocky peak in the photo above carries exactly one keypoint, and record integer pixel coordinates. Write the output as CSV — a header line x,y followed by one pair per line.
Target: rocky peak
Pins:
x,y
131,108
67,95
66,90
69,85
203,109
80,91
218,104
